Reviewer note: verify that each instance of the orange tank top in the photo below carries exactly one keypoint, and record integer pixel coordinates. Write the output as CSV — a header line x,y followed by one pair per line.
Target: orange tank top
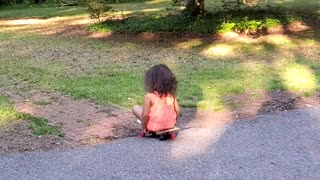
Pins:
x,y
162,114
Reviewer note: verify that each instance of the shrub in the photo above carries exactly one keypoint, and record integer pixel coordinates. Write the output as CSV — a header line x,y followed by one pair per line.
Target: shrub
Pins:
x,y
245,25
226,27
243,21
271,22
96,8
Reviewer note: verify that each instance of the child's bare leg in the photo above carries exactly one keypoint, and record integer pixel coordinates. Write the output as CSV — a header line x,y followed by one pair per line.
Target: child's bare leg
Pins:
x,y
137,111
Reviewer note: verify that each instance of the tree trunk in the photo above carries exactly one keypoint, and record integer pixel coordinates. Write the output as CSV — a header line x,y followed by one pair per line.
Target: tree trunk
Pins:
x,y
195,7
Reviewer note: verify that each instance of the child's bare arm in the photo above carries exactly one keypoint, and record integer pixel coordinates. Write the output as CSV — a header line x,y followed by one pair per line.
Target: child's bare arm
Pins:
x,y
177,108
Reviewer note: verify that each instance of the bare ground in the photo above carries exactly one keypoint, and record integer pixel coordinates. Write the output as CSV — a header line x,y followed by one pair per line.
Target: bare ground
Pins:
x,y
86,123
83,122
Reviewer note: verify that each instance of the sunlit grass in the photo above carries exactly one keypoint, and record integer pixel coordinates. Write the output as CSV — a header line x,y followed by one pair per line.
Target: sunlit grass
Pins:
x,y
299,78
7,112
279,40
149,7
42,12
218,50
193,43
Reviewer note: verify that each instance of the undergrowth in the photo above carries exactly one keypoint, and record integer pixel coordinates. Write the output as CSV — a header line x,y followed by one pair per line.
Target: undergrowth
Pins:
x,y
238,21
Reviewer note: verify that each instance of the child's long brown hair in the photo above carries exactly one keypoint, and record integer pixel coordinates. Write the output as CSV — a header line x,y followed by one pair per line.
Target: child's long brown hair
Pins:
x,y
160,79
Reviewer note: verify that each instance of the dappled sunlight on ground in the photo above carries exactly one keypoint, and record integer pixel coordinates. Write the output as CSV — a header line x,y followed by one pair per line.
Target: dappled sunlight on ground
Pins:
x,y
196,141
278,39
152,10
299,78
26,21
83,19
121,13
156,1
224,78
211,99
150,7
100,35
48,26
192,43
202,131
218,50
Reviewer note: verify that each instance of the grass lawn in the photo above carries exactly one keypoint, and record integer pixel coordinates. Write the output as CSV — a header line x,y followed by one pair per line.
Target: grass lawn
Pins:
x,y
42,12
207,70
146,7
7,112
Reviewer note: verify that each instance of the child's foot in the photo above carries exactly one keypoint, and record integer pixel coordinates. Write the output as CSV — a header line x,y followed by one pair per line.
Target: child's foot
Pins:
x,y
142,134
172,135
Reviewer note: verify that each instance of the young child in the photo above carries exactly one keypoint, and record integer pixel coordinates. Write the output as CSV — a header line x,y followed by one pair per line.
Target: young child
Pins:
x,y
160,109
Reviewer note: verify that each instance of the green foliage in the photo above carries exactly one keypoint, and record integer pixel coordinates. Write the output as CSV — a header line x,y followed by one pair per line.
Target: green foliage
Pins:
x,y
271,22
239,21
171,23
96,8
178,2
226,27
245,24
230,5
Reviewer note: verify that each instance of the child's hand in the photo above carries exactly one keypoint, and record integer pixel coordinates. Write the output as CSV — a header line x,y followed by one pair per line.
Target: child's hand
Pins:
x,y
144,130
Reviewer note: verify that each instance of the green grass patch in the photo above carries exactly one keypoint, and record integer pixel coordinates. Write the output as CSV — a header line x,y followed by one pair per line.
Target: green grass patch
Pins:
x,y
40,126
7,112
42,12
138,7
124,89
206,87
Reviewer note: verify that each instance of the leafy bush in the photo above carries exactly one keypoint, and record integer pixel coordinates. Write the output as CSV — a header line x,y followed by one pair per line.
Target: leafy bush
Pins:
x,y
240,21
226,27
96,8
271,22
245,25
